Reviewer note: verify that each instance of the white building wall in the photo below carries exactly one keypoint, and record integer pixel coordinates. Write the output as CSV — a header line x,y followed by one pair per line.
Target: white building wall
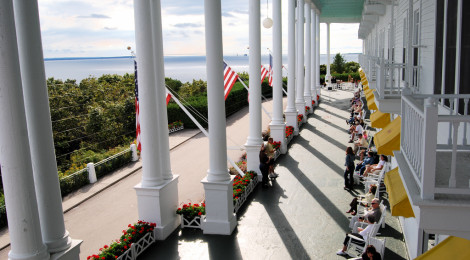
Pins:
x,y
428,41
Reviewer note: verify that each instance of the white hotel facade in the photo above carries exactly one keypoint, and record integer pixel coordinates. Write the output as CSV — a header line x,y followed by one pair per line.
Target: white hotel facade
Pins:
x,y
415,57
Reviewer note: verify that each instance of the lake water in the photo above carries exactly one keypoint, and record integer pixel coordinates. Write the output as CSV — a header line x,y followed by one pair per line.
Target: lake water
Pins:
x,y
184,68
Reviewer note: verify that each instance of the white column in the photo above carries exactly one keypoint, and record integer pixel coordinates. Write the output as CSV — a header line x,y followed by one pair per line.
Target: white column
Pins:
x,y
160,98
313,49
328,75
151,172
17,172
277,126
220,218
253,142
317,54
308,59
291,111
40,128
157,194
300,101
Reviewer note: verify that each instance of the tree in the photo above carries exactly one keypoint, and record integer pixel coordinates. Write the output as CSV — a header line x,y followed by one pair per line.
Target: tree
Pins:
x,y
339,63
322,69
351,67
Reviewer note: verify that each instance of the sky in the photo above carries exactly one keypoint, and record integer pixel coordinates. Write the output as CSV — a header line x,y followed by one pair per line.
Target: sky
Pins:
x,y
104,28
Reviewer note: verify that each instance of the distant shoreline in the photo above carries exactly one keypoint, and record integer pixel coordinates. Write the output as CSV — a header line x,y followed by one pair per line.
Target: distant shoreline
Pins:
x,y
122,57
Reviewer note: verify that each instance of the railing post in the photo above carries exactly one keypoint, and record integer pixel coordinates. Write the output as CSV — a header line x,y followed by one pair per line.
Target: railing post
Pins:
x,y
91,172
428,176
135,156
381,78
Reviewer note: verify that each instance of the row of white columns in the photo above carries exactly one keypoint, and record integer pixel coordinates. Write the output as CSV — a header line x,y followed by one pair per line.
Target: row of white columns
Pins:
x,y
303,76
29,169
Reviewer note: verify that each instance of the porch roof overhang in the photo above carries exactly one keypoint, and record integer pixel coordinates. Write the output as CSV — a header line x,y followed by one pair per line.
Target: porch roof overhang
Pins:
x,y
399,203
451,248
339,11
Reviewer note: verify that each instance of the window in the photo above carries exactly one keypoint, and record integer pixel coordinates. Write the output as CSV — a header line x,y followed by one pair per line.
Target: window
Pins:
x,y
405,43
450,49
415,43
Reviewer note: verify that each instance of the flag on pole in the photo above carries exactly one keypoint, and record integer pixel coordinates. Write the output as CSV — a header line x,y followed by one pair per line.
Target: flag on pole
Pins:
x,y
168,97
264,72
270,79
137,110
230,77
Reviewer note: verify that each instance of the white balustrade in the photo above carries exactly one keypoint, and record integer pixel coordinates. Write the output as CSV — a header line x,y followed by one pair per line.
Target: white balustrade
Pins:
x,y
425,120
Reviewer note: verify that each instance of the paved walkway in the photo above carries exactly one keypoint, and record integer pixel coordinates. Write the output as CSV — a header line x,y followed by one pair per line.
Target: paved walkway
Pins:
x,y
302,216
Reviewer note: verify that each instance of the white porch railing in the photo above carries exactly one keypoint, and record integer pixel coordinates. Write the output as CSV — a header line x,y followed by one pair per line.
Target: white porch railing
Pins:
x,y
389,79
431,128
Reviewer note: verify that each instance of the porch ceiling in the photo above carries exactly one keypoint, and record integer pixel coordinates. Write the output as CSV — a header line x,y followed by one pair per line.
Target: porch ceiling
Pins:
x,y
340,11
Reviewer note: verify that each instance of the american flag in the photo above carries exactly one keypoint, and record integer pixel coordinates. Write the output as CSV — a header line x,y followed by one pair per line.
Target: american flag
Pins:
x,y
264,72
168,97
230,77
137,111
270,79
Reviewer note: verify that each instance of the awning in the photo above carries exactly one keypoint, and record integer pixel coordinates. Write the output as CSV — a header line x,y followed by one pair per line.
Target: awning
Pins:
x,y
388,139
371,102
397,197
379,119
455,248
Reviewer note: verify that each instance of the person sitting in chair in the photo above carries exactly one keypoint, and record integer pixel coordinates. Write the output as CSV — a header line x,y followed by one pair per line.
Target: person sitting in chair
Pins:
x,y
363,234
374,211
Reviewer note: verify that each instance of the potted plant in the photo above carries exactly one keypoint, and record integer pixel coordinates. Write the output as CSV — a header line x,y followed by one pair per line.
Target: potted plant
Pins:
x,y
138,236
191,215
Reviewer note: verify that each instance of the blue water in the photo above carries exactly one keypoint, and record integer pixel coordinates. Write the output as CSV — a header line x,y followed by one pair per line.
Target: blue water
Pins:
x,y
184,68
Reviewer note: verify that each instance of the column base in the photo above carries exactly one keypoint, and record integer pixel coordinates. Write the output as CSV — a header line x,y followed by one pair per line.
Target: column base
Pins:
x,y
220,219
72,253
291,120
301,109
158,205
308,102
278,133
252,158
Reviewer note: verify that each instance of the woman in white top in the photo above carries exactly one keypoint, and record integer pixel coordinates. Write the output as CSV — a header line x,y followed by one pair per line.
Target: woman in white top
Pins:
x,y
363,234
370,169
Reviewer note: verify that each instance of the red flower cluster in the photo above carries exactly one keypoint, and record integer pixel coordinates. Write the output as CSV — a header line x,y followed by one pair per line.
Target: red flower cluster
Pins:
x,y
300,117
276,145
318,97
313,102
133,234
289,131
190,211
307,108
240,183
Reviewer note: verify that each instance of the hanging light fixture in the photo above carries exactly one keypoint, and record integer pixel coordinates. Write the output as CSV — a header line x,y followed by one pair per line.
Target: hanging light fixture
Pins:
x,y
268,22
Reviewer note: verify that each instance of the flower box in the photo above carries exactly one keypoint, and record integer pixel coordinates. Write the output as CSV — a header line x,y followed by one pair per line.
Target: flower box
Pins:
x,y
138,247
175,129
244,196
195,222
289,138
277,152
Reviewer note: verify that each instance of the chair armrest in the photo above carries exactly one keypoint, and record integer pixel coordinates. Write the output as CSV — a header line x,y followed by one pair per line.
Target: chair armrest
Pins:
x,y
355,238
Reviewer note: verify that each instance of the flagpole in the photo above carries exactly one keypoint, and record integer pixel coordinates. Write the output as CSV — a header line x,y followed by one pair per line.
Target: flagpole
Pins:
x,y
203,130
264,109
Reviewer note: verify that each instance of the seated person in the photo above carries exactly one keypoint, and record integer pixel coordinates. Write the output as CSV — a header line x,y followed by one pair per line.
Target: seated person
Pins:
x,y
360,142
363,234
375,168
371,254
355,130
374,210
366,202
361,166
270,153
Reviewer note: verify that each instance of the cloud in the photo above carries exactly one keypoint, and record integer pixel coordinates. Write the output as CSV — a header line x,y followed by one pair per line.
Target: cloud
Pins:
x,y
97,16
110,28
187,25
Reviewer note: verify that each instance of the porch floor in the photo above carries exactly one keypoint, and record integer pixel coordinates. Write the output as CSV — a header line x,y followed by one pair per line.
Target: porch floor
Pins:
x,y
302,216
